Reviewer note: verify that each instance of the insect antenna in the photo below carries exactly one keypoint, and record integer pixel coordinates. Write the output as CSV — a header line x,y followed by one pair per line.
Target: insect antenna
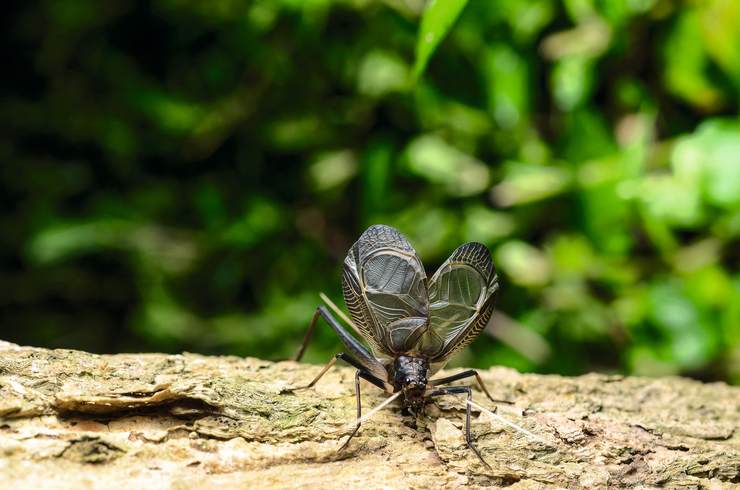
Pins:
x,y
509,423
375,410
380,406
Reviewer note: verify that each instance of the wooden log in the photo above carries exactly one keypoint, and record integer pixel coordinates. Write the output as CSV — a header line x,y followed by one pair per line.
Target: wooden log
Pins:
x,y
71,419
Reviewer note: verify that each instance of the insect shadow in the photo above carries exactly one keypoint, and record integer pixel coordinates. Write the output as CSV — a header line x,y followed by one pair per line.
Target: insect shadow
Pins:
x,y
413,325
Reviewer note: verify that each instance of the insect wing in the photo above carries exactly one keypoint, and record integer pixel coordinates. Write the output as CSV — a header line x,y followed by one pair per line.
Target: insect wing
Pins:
x,y
461,296
384,287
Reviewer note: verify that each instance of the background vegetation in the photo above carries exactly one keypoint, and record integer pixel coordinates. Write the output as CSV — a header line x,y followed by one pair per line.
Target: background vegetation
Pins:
x,y
189,175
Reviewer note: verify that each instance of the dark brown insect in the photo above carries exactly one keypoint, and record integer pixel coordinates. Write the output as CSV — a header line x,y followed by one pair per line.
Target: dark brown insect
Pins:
x,y
413,325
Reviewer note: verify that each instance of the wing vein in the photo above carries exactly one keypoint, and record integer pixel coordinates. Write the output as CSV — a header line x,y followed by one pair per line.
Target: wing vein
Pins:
x,y
457,318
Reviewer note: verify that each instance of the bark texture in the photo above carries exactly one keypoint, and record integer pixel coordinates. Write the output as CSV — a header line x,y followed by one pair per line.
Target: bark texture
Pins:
x,y
71,419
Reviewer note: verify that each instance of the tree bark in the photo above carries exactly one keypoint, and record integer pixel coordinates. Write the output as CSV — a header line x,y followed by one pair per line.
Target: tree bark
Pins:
x,y
71,419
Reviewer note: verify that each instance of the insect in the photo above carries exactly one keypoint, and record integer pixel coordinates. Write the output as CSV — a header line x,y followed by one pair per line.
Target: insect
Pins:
x,y
413,325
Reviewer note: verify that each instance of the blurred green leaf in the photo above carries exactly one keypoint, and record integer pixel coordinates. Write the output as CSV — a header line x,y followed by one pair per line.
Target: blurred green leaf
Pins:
x,y
720,21
382,73
170,113
687,336
572,256
526,183
170,250
260,218
709,157
572,79
686,64
376,175
580,10
430,230
486,226
433,159
298,132
333,169
523,263
731,325
672,200
528,18
69,239
588,40
438,18
507,85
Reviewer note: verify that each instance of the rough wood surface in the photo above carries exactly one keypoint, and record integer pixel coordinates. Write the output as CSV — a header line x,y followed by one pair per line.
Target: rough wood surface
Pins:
x,y
71,419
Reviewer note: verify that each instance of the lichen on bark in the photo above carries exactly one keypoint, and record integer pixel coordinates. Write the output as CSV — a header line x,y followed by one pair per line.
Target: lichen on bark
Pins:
x,y
71,419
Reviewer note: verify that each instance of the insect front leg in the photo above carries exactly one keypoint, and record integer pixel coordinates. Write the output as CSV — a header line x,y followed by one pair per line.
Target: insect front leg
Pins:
x,y
351,361
361,357
459,390
323,312
463,375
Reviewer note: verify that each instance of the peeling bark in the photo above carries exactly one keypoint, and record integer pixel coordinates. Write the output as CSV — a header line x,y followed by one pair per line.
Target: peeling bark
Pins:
x,y
70,419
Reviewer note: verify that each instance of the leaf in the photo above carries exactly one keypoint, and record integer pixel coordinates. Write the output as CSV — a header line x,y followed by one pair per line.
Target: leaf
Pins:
x,y
720,33
507,84
523,264
437,161
436,22
686,64
526,183
709,157
381,73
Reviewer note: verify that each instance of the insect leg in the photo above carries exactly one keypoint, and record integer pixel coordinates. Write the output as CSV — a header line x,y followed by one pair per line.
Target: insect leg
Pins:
x,y
307,337
349,360
463,375
364,373
358,351
360,419
459,390
321,311
320,375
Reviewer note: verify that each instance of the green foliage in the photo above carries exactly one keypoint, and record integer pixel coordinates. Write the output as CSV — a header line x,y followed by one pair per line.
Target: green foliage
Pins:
x,y
189,175
436,21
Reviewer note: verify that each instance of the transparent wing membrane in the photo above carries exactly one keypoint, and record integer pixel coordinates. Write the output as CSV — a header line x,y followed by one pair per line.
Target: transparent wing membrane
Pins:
x,y
461,295
384,286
